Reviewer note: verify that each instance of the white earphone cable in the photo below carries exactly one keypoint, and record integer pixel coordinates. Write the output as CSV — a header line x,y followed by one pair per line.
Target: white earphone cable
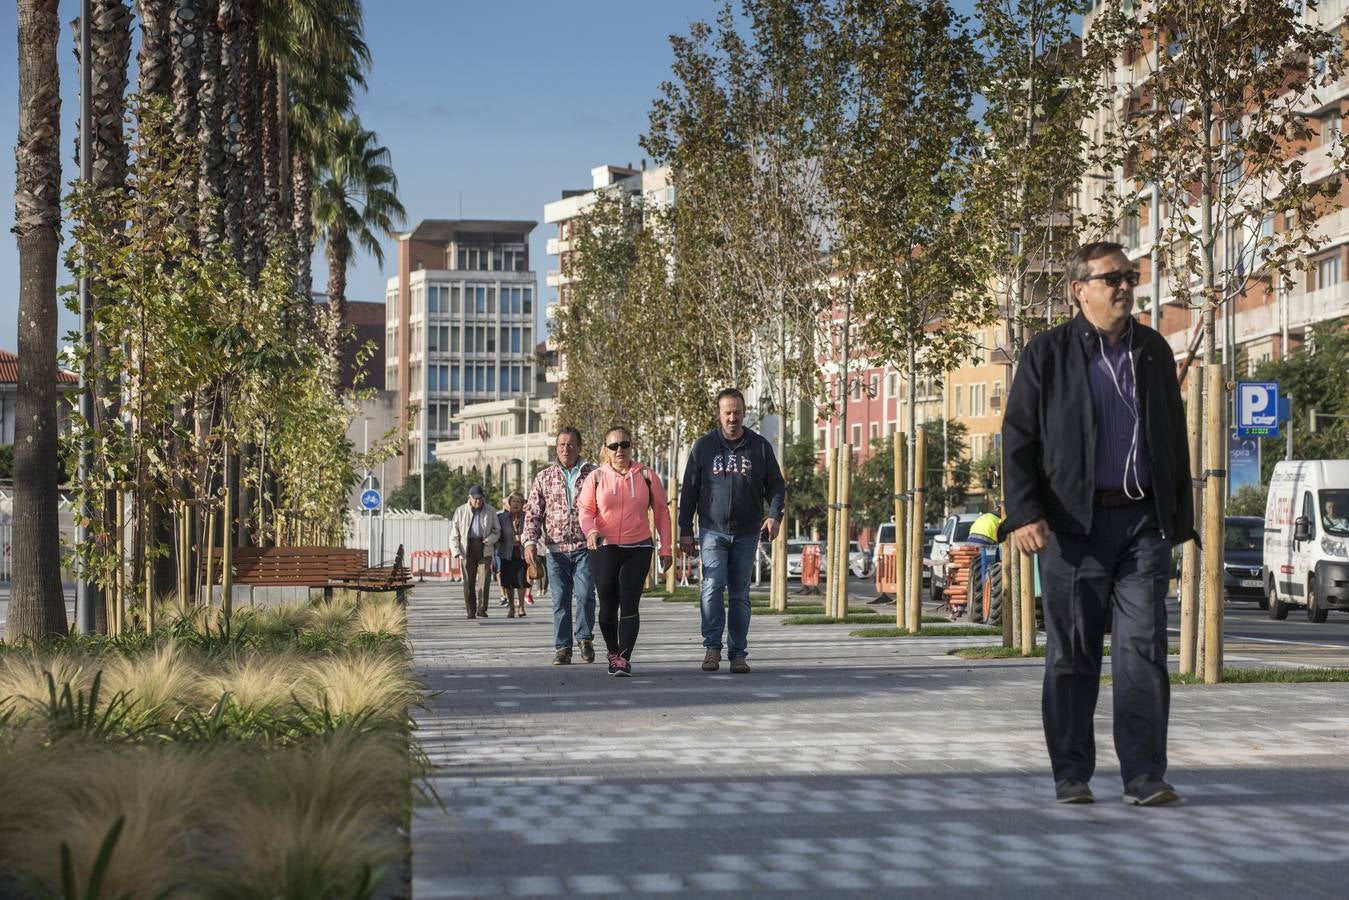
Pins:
x,y
1131,403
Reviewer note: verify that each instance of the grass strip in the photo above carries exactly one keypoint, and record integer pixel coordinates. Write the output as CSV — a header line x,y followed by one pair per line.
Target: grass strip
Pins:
x,y
995,652
1302,675
850,619
935,631
1000,652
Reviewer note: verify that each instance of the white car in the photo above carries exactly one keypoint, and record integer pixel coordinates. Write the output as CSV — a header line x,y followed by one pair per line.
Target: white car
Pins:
x,y
858,561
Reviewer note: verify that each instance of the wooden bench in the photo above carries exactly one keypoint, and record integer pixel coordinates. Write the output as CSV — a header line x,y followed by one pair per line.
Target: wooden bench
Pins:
x,y
315,567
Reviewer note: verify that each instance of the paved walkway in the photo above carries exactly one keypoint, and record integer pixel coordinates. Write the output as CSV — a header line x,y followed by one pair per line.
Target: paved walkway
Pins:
x,y
841,766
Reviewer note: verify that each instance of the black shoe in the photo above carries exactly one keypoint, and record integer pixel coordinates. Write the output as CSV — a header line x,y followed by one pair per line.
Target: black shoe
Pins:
x,y
1148,791
562,657
1073,791
587,651
739,666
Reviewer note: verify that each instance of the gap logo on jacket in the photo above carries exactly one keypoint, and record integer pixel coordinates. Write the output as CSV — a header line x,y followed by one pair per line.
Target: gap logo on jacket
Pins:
x,y
732,463
727,484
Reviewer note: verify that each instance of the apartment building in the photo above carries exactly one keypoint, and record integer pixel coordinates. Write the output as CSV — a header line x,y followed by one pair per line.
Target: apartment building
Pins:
x,y
459,325
1264,322
652,186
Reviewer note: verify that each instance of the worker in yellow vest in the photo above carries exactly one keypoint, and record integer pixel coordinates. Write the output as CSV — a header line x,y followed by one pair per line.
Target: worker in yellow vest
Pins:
x,y
984,531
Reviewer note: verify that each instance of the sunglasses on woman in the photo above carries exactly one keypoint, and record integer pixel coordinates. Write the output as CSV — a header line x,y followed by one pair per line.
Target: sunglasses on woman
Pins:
x,y
619,445
1115,279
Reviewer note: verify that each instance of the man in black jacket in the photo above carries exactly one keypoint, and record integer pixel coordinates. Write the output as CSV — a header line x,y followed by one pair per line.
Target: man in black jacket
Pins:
x,y
1098,483
730,473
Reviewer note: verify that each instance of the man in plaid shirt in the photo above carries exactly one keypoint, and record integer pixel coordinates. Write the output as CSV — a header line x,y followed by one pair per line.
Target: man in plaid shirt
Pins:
x,y
550,513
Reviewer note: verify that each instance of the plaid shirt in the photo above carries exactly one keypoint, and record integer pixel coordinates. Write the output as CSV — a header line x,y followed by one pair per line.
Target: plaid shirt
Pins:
x,y
548,511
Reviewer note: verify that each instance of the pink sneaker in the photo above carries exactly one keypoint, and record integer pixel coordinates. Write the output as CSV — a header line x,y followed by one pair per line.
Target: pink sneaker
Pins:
x,y
529,598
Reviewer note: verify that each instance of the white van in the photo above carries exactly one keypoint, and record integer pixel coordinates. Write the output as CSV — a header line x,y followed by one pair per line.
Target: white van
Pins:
x,y
1307,538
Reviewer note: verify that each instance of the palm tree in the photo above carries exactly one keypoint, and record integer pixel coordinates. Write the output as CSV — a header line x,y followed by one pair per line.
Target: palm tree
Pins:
x,y
110,52
155,60
355,204
314,57
37,606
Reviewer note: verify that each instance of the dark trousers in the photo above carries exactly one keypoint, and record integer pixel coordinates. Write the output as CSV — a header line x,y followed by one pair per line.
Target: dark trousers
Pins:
x,y
620,573
1124,563
477,578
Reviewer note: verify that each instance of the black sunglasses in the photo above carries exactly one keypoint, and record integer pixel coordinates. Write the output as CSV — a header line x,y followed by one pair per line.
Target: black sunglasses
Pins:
x,y
1114,279
619,445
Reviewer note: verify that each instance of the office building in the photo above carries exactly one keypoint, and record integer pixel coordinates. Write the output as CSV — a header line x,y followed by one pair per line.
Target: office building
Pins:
x,y
459,325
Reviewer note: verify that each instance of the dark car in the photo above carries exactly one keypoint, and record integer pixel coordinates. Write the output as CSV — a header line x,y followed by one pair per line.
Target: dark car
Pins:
x,y
1244,559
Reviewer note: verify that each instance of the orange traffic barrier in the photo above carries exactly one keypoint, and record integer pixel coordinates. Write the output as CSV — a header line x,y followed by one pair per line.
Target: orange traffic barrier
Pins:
x,y
887,571
426,564
810,569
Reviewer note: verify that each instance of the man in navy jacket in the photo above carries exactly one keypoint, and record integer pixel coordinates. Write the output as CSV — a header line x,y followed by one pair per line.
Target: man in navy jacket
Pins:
x,y
730,474
1097,475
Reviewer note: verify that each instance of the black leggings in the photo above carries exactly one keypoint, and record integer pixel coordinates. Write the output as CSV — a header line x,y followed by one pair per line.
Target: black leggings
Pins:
x,y
620,574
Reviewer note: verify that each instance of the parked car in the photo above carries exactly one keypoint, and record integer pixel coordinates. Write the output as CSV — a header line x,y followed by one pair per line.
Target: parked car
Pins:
x,y
859,562
954,531
885,536
794,557
1244,559
1307,537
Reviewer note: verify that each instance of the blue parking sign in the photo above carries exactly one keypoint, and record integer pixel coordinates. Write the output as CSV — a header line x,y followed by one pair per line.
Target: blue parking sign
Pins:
x,y
1257,409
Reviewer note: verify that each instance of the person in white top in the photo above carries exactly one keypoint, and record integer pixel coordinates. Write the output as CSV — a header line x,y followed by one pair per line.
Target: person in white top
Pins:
x,y
474,532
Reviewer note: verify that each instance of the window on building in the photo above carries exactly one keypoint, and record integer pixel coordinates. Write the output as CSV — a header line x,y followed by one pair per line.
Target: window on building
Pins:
x,y
454,379
515,339
454,338
1130,229
529,306
976,400
480,300
857,437
857,387
433,340
1328,271
875,431
978,446
892,385
875,385
491,378
958,401
491,340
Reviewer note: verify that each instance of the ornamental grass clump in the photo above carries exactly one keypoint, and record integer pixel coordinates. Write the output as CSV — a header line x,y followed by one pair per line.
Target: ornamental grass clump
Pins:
x,y
256,682
357,682
316,821
73,792
382,617
23,673
161,681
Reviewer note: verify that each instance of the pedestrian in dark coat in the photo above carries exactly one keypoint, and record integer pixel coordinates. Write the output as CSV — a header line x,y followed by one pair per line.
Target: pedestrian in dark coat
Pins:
x,y
1097,481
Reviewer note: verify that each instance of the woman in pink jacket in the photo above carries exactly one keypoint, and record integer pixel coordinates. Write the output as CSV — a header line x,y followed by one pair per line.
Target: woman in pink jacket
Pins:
x,y
612,510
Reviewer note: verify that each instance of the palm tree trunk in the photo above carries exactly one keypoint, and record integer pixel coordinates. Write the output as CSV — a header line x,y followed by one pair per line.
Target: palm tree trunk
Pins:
x,y
302,222
213,167
250,110
37,606
234,186
110,49
155,60
338,251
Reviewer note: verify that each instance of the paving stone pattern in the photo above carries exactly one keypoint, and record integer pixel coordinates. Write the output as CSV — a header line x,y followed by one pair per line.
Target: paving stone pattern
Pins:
x,y
841,767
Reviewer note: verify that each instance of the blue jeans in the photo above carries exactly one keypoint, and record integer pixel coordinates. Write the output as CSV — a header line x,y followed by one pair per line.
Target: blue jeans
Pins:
x,y
569,576
728,564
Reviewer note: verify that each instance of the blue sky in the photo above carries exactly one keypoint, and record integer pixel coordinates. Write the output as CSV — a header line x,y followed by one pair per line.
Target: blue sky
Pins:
x,y
502,105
